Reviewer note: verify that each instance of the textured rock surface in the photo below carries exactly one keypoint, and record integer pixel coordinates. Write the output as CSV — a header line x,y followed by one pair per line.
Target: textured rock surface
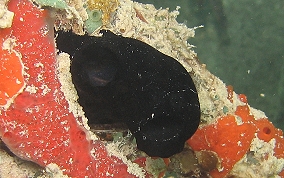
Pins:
x,y
45,120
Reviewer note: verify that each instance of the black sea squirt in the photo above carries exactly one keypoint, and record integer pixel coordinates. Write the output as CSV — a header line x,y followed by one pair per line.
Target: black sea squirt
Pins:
x,y
123,80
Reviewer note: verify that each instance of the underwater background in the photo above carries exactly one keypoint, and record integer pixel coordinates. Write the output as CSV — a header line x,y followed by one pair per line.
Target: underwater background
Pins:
x,y
242,43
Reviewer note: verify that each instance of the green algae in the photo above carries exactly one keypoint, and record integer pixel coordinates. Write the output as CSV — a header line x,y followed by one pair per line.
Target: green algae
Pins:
x,y
58,4
94,21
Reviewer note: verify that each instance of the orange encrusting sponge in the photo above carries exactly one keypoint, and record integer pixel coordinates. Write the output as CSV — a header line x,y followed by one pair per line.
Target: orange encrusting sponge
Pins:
x,y
228,139
11,74
231,136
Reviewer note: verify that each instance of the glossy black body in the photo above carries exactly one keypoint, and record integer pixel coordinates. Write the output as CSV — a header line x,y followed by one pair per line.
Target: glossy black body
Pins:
x,y
125,80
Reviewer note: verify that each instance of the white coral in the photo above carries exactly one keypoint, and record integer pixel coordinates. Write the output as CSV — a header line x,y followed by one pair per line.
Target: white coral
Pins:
x,y
6,16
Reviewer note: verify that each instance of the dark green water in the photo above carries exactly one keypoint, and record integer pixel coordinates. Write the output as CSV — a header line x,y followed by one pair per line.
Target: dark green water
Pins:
x,y
242,43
